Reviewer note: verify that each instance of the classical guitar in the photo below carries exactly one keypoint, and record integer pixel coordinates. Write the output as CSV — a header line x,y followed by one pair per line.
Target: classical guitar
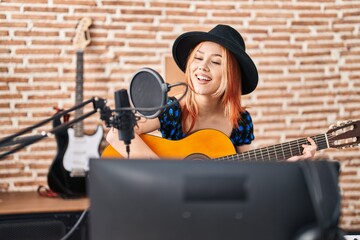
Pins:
x,y
216,145
70,166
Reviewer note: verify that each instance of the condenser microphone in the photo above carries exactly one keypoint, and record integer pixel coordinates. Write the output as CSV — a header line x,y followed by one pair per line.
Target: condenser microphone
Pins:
x,y
124,119
148,92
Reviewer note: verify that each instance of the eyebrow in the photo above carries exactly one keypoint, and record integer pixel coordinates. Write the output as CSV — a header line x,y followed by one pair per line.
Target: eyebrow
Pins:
x,y
216,54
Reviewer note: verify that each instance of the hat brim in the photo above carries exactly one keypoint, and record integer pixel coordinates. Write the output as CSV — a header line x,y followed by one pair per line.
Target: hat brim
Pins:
x,y
187,41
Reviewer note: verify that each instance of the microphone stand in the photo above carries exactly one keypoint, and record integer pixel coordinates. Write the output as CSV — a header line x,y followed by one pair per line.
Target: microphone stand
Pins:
x,y
99,104
120,121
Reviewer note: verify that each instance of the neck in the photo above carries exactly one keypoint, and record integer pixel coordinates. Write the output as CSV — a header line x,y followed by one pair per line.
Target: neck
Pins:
x,y
208,105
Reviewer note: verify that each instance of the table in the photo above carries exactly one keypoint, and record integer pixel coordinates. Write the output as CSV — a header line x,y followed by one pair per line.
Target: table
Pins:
x,y
27,215
32,202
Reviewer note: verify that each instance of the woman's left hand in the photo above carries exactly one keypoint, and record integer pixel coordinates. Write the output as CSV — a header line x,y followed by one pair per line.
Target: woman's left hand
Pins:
x,y
308,152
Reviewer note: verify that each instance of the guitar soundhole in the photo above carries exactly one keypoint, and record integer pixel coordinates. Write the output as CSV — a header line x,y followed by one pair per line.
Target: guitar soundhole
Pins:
x,y
197,156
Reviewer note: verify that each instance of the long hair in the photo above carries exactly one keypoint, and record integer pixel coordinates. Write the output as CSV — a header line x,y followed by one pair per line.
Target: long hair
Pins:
x,y
229,91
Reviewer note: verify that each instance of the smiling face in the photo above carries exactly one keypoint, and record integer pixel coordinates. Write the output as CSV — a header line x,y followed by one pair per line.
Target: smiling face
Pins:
x,y
206,68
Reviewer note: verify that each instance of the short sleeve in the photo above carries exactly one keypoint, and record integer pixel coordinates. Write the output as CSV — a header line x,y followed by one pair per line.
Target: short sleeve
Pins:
x,y
170,121
244,133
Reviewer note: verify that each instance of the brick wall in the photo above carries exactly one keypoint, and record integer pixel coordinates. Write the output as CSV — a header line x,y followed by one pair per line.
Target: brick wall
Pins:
x,y
307,53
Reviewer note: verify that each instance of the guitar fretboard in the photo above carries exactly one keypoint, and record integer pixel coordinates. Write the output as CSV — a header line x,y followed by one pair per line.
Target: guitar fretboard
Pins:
x,y
279,152
79,127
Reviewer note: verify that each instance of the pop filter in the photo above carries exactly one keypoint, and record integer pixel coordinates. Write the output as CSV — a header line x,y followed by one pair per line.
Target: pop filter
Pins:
x,y
148,90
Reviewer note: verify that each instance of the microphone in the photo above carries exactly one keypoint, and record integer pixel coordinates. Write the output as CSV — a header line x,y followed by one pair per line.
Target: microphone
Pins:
x,y
124,119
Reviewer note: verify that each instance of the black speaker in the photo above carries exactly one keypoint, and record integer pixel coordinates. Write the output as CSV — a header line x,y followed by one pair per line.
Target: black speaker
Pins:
x,y
42,226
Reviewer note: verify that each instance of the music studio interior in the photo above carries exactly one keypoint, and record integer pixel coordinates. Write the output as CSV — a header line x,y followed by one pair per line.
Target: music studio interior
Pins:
x,y
71,71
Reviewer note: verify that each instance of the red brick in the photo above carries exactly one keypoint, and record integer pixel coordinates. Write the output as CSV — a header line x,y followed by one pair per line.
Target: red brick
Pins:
x,y
306,53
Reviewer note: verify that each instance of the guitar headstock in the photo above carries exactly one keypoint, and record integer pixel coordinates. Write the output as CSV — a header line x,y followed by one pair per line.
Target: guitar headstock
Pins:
x,y
82,37
344,134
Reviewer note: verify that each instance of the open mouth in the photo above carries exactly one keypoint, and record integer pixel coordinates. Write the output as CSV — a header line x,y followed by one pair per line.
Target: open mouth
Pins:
x,y
203,78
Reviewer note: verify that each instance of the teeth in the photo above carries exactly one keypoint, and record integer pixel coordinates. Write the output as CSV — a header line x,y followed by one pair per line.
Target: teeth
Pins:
x,y
203,78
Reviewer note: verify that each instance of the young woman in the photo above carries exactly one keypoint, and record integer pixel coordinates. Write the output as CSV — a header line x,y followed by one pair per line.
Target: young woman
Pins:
x,y
218,71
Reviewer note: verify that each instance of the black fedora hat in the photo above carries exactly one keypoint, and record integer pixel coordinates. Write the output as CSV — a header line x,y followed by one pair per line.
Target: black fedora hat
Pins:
x,y
229,38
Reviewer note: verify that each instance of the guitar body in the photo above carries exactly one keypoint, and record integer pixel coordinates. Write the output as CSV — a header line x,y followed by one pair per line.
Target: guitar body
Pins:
x,y
80,149
199,145
56,179
64,177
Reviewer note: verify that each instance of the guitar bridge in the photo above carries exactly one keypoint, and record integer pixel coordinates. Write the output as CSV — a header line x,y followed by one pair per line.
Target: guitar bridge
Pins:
x,y
77,173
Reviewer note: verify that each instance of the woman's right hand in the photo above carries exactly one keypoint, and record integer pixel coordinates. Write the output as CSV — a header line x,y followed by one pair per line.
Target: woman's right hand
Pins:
x,y
138,148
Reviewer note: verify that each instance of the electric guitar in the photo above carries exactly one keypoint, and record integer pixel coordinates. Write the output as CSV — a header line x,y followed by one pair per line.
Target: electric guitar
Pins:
x,y
68,171
217,146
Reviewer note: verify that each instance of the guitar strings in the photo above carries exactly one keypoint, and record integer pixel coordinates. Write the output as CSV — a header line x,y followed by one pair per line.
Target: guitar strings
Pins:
x,y
272,151
322,144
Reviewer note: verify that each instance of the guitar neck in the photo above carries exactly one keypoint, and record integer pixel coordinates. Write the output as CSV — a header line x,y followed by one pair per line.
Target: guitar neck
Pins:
x,y
278,152
79,127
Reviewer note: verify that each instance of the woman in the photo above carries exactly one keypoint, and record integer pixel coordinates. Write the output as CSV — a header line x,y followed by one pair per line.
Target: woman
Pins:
x,y
218,71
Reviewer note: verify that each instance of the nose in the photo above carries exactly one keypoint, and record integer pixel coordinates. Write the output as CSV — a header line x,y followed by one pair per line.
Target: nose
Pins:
x,y
203,68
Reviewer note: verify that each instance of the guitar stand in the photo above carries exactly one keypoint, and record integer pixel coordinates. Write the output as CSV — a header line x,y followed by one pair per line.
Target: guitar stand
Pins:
x,y
99,105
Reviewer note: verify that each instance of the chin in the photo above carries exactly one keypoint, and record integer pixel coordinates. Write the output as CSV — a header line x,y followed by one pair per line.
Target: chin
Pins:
x,y
202,92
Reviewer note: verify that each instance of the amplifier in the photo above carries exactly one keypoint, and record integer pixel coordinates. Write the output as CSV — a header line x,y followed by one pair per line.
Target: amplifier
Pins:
x,y
43,226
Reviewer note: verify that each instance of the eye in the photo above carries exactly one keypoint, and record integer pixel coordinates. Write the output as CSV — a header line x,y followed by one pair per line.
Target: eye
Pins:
x,y
198,58
216,60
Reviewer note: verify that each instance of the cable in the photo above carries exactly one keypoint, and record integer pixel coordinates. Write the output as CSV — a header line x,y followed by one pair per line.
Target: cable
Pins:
x,y
68,234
